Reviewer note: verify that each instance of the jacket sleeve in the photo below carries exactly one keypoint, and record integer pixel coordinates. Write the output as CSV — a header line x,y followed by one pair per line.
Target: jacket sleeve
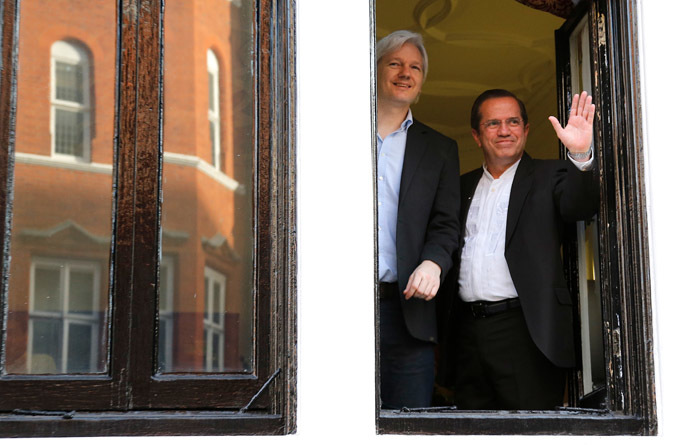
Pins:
x,y
576,192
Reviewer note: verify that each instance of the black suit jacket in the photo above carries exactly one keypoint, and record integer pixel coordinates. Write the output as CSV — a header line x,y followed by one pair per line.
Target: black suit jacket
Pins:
x,y
545,195
428,218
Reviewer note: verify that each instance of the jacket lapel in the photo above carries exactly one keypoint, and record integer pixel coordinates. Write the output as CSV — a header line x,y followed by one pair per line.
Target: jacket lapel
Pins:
x,y
522,183
467,193
414,151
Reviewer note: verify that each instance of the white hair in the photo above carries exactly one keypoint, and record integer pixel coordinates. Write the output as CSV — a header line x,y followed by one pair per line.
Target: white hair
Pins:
x,y
396,40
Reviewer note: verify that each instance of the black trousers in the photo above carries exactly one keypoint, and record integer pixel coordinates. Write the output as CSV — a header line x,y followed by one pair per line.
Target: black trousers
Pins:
x,y
500,367
406,363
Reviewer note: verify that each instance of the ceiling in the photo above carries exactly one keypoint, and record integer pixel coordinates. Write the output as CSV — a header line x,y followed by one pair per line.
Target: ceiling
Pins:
x,y
475,45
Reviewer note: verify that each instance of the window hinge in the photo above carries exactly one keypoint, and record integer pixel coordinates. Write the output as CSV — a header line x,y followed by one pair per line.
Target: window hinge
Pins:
x,y
261,390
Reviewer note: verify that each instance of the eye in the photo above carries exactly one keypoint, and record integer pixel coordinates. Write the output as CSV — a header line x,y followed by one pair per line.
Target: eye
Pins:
x,y
417,67
513,121
493,124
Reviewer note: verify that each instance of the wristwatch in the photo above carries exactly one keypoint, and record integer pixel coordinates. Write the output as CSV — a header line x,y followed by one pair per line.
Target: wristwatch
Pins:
x,y
583,156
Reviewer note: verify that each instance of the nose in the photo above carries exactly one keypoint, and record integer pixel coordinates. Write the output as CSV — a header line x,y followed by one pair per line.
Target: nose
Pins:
x,y
404,71
503,128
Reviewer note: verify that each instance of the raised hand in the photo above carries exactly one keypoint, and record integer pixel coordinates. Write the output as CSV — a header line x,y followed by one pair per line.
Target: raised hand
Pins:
x,y
577,135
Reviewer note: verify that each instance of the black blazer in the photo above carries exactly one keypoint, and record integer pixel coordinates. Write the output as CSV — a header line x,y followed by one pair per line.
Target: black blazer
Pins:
x,y
545,195
428,218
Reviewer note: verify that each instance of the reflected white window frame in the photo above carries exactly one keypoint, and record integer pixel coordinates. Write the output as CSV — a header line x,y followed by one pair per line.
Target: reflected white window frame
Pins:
x,y
212,328
166,314
65,266
213,69
72,54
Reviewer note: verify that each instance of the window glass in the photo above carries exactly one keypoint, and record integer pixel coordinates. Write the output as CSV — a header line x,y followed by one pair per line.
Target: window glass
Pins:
x,y
208,315
57,305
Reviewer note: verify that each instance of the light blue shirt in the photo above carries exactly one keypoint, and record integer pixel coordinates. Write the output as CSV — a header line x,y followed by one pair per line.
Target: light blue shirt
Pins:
x,y
390,156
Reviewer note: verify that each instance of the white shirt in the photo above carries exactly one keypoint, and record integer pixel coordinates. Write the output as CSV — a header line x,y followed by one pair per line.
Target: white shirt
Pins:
x,y
484,273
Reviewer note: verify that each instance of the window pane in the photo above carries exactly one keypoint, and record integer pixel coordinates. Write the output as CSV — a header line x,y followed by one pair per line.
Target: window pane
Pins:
x,y
208,146
61,223
79,356
69,132
81,289
46,351
47,290
69,82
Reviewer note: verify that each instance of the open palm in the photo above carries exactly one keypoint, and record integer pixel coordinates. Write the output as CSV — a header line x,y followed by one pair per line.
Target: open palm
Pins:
x,y
577,134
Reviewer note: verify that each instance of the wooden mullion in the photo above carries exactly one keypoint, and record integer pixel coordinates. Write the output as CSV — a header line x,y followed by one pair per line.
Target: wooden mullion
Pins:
x,y
145,61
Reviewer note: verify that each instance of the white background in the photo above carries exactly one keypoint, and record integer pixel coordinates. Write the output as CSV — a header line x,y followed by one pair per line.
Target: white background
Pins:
x,y
336,237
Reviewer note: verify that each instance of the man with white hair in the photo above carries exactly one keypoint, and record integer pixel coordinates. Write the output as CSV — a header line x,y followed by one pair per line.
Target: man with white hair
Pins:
x,y
418,208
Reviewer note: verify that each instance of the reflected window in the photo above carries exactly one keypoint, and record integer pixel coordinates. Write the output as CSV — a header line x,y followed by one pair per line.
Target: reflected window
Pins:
x,y
214,320
213,107
64,322
165,315
70,100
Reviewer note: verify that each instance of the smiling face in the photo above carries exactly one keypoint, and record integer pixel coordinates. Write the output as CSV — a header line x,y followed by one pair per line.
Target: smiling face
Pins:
x,y
400,76
502,146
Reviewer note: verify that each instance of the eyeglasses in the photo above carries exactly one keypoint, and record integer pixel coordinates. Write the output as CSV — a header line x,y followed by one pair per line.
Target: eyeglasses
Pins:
x,y
494,124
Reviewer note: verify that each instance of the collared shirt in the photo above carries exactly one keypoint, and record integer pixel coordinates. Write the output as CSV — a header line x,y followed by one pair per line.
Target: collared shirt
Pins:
x,y
484,273
391,154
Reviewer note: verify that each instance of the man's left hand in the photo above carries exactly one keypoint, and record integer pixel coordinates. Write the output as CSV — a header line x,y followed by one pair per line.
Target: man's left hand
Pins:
x,y
577,135
424,281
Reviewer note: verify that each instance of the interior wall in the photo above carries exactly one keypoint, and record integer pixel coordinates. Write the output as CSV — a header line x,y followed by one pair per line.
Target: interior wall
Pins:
x,y
475,45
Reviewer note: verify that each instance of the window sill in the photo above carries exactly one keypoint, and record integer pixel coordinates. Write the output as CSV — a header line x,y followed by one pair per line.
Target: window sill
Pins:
x,y
590,422
142,423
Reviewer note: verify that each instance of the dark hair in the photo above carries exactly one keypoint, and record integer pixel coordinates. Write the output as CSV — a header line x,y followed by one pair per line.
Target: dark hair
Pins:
x,y
494,94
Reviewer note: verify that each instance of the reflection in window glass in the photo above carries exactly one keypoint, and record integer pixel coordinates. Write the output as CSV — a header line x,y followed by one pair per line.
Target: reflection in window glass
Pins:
x,y
206,314
57,307
70,99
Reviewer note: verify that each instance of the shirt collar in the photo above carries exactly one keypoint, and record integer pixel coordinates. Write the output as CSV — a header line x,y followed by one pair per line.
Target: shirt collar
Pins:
x,y
407,122
509,173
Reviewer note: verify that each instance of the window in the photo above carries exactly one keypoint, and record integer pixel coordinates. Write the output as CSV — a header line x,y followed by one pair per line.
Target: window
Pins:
x,y
214,107
165,315
70,115
152,294
214,320
612,390
64,322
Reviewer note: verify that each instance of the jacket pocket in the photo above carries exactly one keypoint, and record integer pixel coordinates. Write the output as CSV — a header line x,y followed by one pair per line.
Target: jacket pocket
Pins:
x,y
563,296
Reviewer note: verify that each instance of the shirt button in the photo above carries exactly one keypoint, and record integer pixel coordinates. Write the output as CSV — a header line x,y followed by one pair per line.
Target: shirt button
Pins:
x,y
380,178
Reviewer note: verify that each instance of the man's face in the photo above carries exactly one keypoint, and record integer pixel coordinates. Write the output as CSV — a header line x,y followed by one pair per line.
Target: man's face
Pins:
x,y
504,144
400,75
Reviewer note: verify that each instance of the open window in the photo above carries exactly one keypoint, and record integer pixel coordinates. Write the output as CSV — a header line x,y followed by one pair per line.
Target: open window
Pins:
x,y
145,289
477,45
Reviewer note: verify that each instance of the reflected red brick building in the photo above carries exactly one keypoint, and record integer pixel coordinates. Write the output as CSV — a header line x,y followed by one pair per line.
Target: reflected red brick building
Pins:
x,y
63,188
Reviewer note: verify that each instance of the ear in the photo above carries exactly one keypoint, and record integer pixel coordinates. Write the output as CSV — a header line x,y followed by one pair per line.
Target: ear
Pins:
x,y
526,130
475,135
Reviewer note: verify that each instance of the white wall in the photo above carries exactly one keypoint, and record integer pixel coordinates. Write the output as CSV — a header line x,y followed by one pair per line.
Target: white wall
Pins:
x,y
335,211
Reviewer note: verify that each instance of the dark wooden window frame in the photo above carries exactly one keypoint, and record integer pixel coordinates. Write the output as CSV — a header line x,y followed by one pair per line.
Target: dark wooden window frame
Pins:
x,y
130,399
624,254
